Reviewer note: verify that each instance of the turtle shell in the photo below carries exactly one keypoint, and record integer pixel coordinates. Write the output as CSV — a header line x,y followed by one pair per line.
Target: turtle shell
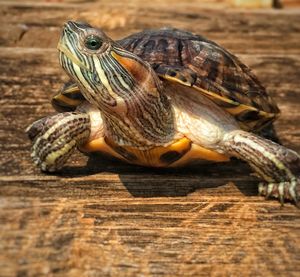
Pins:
x,y
192,60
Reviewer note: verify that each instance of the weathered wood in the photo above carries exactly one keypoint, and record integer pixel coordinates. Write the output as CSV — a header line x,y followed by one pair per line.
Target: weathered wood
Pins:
x,y
105,218
252,3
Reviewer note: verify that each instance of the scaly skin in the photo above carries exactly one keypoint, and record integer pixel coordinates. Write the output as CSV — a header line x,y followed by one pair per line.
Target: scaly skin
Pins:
x,y
273,163
56,137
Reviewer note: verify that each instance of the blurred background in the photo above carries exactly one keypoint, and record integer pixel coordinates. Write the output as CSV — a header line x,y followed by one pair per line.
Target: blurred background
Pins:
x,y
22,22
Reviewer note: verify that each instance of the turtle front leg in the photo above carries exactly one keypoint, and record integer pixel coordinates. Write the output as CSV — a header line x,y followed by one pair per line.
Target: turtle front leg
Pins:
x,y
55,138
277,166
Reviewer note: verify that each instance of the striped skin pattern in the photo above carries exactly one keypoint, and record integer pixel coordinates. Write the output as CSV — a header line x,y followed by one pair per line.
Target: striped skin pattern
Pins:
x,y
278,166
136,112
56,137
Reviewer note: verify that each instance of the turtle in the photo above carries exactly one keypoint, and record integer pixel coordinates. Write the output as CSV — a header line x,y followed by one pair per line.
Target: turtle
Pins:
x,y
161,98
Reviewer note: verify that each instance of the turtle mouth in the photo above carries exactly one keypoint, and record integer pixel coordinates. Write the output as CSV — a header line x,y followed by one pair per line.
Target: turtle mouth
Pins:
x,y
64,50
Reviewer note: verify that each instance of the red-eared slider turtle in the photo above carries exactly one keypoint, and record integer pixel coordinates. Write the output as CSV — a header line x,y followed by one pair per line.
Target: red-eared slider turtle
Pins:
x,y
161,98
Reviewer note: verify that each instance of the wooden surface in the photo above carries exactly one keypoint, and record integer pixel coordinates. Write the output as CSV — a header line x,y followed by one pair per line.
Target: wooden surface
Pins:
x,y
105,218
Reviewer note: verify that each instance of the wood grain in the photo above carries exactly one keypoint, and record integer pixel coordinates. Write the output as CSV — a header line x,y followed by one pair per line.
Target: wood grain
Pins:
x,y
100,217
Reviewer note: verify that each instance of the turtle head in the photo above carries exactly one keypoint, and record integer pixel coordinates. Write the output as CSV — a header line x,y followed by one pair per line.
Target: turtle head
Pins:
x,y
79,43
107,74
124,87
82,50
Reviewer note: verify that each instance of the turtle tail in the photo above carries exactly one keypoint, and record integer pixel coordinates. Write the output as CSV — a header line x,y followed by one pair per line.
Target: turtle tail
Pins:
x,y
54,138
277,166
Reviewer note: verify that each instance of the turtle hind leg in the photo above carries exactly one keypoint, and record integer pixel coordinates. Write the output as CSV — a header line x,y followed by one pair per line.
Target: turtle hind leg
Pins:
x,y
54,138
277,166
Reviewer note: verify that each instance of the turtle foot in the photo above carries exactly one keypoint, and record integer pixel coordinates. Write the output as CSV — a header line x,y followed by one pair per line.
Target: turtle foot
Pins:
x,y
54,138
283,191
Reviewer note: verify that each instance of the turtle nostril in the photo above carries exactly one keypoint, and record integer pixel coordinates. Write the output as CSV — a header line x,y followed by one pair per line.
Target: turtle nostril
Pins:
x,y
68,23
73,25
82,24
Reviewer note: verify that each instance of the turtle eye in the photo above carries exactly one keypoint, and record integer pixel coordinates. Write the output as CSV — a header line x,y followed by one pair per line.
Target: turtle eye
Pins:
x,y
93,42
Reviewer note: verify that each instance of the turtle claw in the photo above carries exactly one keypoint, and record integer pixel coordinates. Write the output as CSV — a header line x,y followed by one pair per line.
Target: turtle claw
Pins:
x,y
283,191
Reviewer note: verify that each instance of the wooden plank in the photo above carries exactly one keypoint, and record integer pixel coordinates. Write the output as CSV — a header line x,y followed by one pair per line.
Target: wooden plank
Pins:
x,y
233,29
100,217
291,3
252,4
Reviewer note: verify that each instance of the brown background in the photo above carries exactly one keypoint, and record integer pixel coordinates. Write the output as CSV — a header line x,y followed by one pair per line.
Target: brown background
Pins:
x,y
105,218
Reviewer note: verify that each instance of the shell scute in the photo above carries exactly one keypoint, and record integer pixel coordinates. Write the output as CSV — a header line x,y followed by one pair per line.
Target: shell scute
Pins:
x,y
227,80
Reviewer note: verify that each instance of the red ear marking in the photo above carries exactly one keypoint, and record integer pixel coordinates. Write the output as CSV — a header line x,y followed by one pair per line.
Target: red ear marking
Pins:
x,y
140,72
